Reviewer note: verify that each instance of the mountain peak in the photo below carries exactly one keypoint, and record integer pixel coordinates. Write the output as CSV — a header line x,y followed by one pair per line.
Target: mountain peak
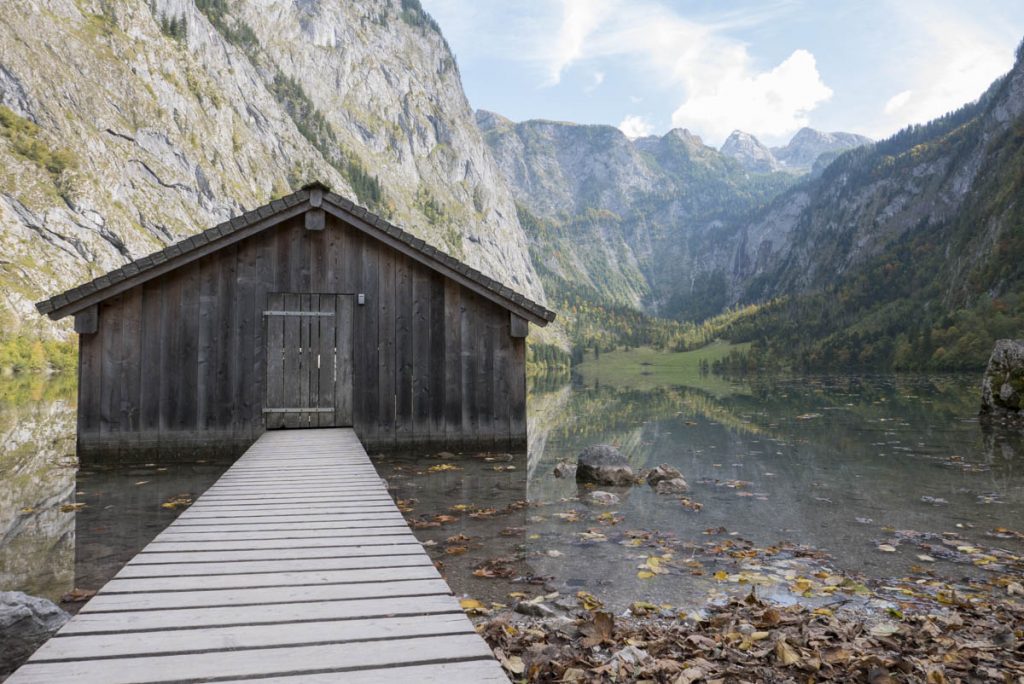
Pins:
x,y
808,144
487,120
750,153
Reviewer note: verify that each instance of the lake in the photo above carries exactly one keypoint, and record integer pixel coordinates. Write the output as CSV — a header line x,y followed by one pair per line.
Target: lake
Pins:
x,y
879,477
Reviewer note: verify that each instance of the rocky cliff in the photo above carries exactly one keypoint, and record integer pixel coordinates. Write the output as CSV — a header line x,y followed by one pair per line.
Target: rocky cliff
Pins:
x,y
907,251
808,146
750,153
129,124
624,221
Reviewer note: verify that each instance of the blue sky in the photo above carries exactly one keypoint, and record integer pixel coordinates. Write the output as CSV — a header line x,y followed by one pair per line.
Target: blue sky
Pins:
x,y
768,68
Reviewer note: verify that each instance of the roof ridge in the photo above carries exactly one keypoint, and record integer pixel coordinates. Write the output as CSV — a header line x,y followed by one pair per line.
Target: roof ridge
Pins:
x,y
139,267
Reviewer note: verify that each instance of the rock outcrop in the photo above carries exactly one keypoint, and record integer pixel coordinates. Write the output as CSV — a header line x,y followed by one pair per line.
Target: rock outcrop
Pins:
x,y
118,136
804,150
1002,388
750,153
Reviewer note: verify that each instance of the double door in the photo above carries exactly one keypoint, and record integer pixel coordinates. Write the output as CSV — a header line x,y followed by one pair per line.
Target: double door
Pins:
x,y
308,360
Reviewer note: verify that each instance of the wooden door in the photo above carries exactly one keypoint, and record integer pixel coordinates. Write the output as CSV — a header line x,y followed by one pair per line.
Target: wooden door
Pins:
x,y
308,361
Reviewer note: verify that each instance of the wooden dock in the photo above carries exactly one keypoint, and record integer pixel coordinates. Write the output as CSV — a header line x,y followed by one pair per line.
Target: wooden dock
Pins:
x,y
295,566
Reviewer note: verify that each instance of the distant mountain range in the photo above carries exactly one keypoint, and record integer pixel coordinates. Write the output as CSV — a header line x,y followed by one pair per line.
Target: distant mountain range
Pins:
x,y
122,131
881,253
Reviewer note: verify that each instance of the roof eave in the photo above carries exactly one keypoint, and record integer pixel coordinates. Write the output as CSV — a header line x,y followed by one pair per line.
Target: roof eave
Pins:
x,y
433,258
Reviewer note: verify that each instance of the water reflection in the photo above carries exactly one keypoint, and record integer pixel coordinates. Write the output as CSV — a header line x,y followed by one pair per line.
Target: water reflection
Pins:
x,y
840,464
65,528
37,479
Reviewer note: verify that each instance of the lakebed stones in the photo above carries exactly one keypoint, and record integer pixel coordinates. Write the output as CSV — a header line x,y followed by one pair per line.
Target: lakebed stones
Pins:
x,y
676,485
604,465
564,469
1002,388
663,472
25,623
603,498
667,480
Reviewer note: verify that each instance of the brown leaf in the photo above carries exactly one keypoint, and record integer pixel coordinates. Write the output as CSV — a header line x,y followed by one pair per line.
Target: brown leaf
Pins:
x,y
786,654
597,631
77,595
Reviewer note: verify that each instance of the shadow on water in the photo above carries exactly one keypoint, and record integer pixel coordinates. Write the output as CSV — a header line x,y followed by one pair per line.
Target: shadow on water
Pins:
x,y
842,464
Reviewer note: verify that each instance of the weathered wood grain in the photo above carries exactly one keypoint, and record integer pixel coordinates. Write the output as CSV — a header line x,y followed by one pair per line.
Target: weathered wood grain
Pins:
x,y
279,594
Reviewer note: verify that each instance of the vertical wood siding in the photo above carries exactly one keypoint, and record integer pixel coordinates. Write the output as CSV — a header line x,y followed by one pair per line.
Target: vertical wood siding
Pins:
x,y
178,363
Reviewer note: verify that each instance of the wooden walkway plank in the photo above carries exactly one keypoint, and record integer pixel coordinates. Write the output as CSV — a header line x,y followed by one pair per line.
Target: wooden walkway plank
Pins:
x,y
290,660
272,613
295,566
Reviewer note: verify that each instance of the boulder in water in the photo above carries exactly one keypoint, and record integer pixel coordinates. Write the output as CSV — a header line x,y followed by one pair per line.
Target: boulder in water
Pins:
x,y
604,465
676,485
1002,388
663,472
26,622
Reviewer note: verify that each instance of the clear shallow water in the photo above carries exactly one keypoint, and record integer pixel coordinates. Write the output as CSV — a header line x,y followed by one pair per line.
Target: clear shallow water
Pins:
x,y
839,464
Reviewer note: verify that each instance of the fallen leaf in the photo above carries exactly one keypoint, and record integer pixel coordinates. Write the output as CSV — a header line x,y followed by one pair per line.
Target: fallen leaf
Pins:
x,y
473,607
588,600
786,654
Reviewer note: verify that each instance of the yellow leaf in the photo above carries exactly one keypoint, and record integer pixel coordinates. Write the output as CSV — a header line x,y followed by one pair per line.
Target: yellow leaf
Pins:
x,y
645,574
588,600
473,607
721,575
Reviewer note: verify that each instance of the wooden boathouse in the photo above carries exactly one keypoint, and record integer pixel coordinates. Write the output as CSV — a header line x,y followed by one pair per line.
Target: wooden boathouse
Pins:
x,y
307,312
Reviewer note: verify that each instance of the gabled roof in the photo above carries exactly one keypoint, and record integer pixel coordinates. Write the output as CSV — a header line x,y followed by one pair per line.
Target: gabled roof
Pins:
x,y
315,195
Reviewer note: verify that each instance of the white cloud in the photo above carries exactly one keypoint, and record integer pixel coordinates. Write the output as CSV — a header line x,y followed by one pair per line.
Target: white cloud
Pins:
x,y
579,19
635,126
897,101
954,59
720,87
596,79
769,104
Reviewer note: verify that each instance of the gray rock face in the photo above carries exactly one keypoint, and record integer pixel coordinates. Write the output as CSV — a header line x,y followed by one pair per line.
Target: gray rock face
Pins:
x,y
750,153
637,221
26,622
1002,388
801,153
604,465
169,136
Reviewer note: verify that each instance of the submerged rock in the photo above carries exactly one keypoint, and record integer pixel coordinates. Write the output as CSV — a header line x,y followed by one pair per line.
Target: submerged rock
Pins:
x,y
540,610
676,485
603,498
663,472
1002,388
604,465
564,469
26,622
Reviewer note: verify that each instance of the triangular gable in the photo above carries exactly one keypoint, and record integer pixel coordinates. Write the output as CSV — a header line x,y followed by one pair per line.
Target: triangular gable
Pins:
x,y
311,197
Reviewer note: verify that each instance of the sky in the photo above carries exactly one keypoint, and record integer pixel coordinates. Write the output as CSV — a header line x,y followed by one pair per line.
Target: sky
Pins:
x,y
768,68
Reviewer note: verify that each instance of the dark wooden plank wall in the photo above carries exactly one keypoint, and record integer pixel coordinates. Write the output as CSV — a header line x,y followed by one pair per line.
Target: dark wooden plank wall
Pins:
x,y
178,363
